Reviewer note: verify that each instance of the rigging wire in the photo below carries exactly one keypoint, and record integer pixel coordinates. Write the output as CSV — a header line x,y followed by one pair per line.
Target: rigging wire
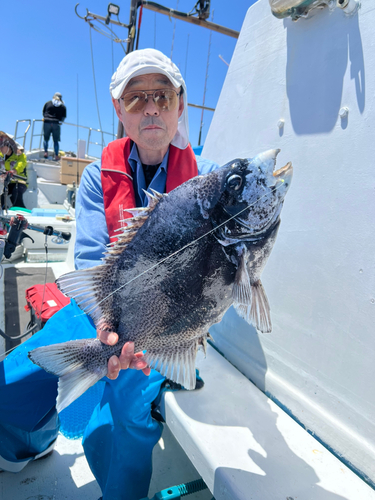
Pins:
x,y
77,115
155,31
113,108
186,57
205,83
174,31
96,94
114,38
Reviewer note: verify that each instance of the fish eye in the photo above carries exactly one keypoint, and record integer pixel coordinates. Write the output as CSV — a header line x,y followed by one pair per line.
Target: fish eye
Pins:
x,y
234,182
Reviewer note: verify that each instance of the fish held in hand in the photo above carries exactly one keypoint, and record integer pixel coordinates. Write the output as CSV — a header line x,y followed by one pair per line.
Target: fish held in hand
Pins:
x,y
173,272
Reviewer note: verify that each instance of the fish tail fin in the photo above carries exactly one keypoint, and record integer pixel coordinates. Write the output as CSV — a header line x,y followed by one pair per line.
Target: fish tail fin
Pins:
x,y
258,312
66,361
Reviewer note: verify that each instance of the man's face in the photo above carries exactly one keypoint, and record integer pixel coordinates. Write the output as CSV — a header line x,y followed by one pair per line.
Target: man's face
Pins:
x,y
151,129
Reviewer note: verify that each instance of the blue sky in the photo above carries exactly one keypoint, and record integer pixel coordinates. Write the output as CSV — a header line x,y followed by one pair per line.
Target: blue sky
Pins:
x,y
46,48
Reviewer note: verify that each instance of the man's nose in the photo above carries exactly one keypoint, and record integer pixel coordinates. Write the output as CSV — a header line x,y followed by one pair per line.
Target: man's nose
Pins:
x,y
151,108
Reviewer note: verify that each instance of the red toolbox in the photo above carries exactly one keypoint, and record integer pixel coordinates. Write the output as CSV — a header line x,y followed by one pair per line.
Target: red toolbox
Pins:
x,y
53,301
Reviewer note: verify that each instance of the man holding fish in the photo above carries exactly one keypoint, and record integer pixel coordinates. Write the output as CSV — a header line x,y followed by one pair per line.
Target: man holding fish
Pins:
x,y
174,264
150,98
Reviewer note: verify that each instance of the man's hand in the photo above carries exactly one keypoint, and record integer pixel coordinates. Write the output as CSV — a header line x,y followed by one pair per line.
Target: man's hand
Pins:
x,y
127,359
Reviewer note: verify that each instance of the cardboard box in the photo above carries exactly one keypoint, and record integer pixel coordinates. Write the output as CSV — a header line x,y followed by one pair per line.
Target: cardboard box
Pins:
x,y
71,169
82,163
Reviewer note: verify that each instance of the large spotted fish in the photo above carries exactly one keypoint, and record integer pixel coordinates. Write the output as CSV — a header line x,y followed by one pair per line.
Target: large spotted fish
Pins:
x,y
174,271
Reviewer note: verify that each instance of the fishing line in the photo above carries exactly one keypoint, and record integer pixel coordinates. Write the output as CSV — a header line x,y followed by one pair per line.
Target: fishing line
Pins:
x,y
165,259
180,250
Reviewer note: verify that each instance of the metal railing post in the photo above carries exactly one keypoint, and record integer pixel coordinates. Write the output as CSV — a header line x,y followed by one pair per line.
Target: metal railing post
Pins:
x,y
32,135
88,142
41,135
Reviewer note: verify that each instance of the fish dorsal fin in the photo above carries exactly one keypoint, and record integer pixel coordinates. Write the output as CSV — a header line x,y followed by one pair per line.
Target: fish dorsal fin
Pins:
x,y
86,286
258,312
177,363
241,291
127,233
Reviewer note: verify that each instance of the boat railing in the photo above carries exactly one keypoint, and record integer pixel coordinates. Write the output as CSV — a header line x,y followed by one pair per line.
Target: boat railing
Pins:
x,y
34,135
23,137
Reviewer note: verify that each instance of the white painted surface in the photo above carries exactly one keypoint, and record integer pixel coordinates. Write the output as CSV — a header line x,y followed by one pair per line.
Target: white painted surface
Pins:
x,y
81,149
245,447
53,191
48,171
320,278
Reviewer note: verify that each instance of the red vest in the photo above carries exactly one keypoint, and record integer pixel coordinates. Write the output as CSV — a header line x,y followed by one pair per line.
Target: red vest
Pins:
x,y
117,182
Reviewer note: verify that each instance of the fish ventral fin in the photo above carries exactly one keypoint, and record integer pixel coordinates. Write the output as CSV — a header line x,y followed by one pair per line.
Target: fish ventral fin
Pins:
x,y
176,363
250,300
258,313
241,291
65,360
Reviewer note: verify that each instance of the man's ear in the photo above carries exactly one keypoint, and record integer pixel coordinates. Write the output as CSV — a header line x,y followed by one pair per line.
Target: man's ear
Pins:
x,y
180,106
116,104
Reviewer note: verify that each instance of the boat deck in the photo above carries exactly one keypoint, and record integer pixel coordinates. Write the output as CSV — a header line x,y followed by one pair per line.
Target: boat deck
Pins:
x,y
65,474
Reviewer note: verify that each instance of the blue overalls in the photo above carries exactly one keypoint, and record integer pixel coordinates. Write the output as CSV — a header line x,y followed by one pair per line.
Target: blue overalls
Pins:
x,y
121,434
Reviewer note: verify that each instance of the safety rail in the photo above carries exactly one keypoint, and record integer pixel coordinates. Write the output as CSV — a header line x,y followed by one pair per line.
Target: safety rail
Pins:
x,y
24,134
40,135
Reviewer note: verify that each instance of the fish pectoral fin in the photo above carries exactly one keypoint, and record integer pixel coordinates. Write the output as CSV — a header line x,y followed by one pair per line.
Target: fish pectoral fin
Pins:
x,y
176,363
258,312
241,291
65,361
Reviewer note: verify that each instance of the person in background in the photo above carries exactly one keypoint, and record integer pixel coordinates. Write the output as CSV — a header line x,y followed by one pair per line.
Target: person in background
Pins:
x,y
54,113
13,160
150,98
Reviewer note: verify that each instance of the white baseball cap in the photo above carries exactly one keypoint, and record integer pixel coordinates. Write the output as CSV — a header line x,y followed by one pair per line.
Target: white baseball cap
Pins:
x,y
144,62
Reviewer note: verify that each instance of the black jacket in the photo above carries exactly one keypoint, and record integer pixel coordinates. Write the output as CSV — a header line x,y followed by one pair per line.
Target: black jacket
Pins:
x,y
53,113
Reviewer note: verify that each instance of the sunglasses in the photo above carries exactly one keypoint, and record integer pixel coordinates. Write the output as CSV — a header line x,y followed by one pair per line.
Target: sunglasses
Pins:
x,y
164,99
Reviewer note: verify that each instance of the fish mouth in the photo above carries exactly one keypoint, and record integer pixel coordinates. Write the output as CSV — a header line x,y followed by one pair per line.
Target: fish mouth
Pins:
x,y
280,179
285,171
267,163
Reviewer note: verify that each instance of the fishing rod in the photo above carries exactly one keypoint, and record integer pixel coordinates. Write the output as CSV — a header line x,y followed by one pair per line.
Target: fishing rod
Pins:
x,y
18,223
8,244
